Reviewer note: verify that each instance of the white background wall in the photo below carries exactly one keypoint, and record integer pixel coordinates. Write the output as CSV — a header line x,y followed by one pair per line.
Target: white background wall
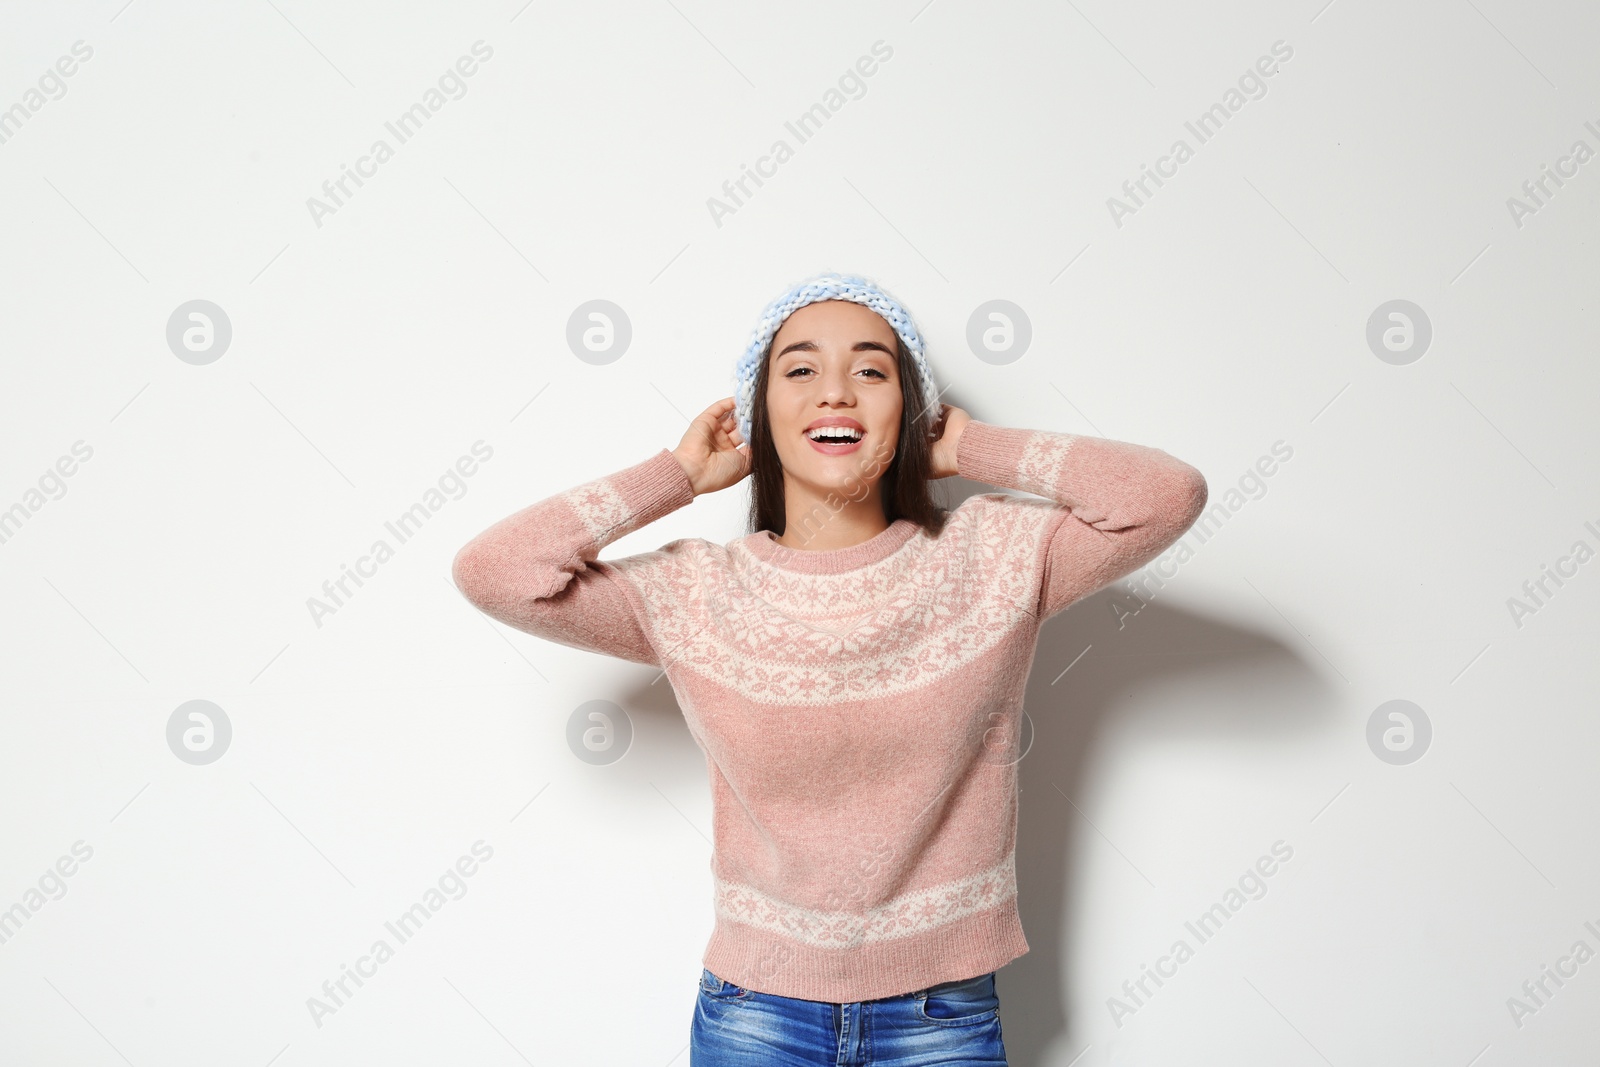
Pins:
x,y
371,748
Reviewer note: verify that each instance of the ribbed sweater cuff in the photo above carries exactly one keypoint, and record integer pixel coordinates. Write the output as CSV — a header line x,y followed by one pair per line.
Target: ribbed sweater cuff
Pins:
x,y
658,486
989,453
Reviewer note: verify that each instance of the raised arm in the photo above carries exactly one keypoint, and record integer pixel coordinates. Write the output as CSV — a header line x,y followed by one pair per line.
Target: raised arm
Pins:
x,y
536,570
1122,504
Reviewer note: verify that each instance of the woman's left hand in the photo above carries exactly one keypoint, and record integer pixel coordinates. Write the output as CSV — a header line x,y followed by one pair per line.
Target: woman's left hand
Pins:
x,y
952,420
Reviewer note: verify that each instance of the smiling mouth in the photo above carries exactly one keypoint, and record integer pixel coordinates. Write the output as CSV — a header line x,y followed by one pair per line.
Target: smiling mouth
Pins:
x,y
835,435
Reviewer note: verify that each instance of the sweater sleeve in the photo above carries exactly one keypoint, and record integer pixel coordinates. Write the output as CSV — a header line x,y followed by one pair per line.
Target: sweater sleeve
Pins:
x,y
1121,504
536,569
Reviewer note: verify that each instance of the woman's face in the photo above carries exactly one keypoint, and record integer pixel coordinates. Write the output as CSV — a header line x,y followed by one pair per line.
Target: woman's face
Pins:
x,y
833,364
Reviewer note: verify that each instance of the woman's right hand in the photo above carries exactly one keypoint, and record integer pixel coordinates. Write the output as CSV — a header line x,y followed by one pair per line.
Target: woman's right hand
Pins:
x,y
713,452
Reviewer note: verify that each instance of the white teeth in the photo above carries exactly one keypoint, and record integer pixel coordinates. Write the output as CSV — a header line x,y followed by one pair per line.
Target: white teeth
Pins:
x,y
834,433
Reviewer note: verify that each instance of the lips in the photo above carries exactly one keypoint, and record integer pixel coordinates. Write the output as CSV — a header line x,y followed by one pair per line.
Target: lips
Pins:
x,y
836,423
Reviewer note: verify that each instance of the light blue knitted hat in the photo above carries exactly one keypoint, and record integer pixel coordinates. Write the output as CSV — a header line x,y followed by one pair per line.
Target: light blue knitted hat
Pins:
x,y
829,285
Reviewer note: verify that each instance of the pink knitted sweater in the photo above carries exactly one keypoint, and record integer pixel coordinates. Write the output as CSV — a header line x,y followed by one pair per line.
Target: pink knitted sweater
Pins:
x,y
858,708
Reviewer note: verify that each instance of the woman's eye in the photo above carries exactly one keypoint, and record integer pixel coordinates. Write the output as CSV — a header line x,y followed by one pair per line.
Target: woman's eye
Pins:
x,y
869,370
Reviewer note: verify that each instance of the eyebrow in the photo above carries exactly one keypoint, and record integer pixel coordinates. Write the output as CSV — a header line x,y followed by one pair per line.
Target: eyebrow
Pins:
x,y
811,346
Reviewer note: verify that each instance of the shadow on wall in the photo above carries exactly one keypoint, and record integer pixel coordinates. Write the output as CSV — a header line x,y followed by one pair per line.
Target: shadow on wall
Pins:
x,y
1274,690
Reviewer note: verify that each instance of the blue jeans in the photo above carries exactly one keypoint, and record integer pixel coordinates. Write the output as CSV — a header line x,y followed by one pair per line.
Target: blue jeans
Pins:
x,y
956,1023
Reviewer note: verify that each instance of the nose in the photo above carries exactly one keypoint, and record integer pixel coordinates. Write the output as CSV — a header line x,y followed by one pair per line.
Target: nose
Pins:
x,y
837,388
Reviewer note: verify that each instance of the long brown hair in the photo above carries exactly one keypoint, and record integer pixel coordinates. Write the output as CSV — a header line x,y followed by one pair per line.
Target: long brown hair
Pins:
x,y
905,484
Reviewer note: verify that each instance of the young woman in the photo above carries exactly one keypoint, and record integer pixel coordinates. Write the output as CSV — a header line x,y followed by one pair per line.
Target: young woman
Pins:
x,y
853,669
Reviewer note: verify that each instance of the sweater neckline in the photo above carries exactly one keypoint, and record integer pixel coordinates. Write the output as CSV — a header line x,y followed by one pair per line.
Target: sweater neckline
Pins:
x,y
879,546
